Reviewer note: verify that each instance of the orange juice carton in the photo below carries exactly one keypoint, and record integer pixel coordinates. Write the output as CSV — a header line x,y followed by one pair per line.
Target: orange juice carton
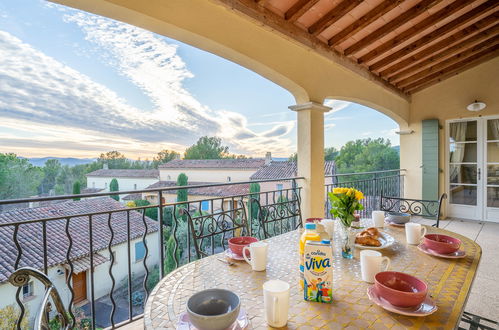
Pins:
x,y
318,272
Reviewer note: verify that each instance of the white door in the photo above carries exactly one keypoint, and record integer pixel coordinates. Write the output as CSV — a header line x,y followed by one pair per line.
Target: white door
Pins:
x,y
473,168
491,168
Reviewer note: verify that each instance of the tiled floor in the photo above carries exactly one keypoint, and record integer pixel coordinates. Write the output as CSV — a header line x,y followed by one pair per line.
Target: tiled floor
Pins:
x,y
484,297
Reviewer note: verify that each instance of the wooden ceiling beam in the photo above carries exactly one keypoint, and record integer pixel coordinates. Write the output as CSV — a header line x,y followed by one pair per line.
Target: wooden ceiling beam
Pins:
x,y
288,30
487,44
438,33
333,16
452,70
364,21
392,25
482,28
415,30
439,56
298,9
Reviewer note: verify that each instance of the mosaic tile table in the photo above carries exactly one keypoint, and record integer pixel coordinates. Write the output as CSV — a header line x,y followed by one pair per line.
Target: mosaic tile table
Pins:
x,y
449,283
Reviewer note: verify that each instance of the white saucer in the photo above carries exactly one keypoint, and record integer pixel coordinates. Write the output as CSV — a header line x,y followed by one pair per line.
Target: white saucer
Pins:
x,y
454,255
232,255
241,323
427,307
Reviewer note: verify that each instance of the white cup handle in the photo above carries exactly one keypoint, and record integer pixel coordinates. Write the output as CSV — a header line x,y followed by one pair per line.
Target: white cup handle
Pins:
x,y
275,315
244,254
387,263
424,231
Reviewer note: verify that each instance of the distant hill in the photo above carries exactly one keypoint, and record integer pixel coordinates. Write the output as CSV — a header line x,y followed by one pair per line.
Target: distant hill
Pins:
x,y
396,148
64,161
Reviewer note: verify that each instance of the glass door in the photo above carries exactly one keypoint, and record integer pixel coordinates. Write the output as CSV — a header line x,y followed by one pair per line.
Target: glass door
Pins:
x,y
464,157
491,175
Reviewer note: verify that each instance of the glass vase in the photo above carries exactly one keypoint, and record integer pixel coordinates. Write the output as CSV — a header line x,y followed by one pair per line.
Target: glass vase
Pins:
x,y
347,242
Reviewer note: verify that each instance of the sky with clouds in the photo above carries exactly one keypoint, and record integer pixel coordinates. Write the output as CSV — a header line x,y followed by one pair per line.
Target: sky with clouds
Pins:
x,y
73,84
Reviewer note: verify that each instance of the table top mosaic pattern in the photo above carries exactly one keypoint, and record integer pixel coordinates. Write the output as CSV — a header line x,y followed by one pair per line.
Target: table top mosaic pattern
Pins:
x,y
449,282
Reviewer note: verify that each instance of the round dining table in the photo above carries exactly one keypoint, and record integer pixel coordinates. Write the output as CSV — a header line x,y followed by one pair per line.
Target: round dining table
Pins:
x,y
449,284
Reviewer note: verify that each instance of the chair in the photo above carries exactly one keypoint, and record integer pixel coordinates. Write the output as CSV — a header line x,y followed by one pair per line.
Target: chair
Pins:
x,y
277,217
477,322
420,207
21,277
222,223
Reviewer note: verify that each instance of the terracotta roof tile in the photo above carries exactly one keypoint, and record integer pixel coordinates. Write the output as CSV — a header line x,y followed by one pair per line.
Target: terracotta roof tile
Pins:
x,y
125,173
286,169
215,191
249,163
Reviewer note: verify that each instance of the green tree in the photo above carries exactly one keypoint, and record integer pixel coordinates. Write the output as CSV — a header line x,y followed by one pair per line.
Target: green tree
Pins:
x,y
9,315
51,170
207,148
182,196
365,155
114,160
330,153
182,193
76,190
164,156
253,210
113,186
18,178
170,256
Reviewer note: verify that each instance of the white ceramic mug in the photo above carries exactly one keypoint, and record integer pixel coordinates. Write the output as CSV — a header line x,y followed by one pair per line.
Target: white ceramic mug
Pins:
x,y
371,263
258,254
413,232
276,302
328,226
378,219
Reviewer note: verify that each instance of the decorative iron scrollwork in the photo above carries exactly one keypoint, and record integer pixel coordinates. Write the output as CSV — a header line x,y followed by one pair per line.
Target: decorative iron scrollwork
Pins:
x,y
22,277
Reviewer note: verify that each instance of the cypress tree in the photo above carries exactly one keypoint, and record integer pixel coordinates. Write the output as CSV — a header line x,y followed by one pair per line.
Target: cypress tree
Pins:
x,y
76,190
113,186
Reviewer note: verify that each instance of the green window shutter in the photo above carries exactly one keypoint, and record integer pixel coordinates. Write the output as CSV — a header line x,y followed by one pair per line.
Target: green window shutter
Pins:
x,y
430,158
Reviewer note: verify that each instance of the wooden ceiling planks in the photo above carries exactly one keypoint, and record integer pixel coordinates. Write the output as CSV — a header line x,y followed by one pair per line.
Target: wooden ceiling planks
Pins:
x,y
408,44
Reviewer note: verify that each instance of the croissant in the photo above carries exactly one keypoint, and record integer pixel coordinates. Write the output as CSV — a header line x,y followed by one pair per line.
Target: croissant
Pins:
x,y
371,232
367,240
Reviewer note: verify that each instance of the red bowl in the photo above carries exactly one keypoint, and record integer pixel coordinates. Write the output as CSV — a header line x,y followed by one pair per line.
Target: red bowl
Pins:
x,y
400,289
442,244
237,244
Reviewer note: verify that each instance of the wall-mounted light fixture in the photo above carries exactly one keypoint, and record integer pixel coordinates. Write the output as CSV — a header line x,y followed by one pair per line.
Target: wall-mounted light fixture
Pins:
x,y
404,132
476,106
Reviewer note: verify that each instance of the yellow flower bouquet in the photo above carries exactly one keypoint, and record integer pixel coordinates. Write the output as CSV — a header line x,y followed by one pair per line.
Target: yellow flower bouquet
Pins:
x,y
344,203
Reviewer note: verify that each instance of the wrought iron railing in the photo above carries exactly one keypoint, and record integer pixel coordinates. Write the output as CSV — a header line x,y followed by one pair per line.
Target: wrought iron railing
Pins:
x,y
372,184
125,250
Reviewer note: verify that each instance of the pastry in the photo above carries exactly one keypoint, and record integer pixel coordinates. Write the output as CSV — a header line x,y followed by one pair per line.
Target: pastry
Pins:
x,y
367,241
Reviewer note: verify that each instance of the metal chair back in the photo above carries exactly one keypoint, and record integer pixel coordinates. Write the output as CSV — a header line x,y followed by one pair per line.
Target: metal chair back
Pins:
x,y
418,207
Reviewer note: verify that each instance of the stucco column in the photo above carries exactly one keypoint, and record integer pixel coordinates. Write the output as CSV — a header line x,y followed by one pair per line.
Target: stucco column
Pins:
x,y
310,143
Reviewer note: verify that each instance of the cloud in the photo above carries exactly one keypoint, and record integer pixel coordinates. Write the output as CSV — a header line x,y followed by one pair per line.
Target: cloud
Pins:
x,y
39,90
336,105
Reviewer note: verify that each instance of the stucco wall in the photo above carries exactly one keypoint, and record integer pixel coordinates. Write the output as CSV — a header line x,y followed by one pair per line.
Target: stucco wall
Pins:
x,y
207,175
123,183
444,101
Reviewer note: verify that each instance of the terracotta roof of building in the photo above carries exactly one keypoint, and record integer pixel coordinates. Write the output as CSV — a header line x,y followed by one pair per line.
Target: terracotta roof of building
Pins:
x,y
248,163
130,173
30,234
215,191
285,169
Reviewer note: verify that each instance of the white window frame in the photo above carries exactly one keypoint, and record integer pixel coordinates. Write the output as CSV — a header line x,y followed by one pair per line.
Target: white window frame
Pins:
x,y
31,290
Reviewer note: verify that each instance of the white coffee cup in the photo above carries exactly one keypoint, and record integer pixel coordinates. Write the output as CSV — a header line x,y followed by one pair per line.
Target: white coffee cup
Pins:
x,y
371,263
378,218
413,232
276,302
258,253
328,226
